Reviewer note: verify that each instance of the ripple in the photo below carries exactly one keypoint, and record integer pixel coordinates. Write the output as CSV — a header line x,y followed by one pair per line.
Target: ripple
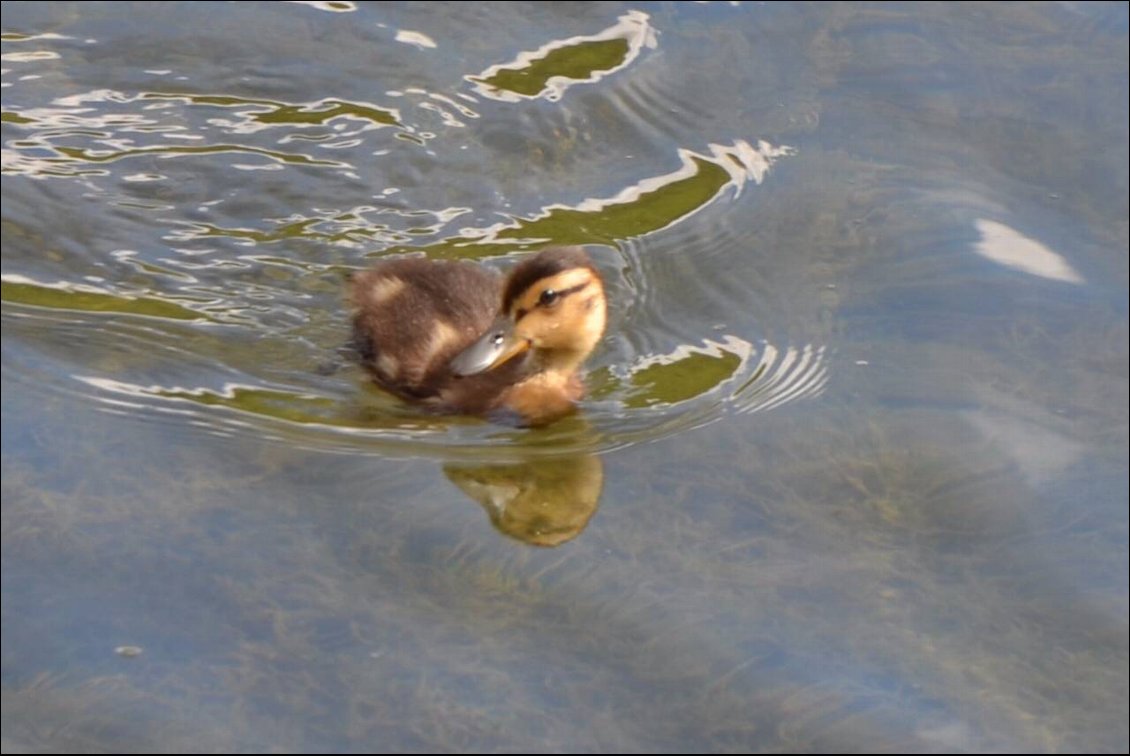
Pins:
x,y
43,151
658,396
650,205
18,37
695,385
363,225
654,108
1008,247
220,305
29,56
78,298
783,375
330,6
75,154
415,38
264,114
553,68
672,379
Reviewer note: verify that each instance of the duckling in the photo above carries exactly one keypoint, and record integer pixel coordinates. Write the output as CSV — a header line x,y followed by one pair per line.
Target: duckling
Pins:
x,y
458,338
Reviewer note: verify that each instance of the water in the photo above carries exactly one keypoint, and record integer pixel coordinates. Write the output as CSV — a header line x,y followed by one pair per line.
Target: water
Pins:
x,y
852,472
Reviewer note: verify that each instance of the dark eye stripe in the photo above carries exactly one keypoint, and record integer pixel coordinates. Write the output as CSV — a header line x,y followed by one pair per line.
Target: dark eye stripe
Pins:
x,y
522,312
571,290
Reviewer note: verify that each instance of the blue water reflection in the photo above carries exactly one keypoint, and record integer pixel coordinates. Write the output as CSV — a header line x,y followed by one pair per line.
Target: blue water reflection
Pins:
x,y
852,469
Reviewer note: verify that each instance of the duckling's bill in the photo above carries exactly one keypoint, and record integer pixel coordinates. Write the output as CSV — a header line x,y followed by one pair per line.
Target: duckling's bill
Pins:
x,y
498,345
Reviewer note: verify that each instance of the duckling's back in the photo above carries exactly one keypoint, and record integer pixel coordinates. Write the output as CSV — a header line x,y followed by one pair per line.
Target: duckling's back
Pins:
x,y
414,315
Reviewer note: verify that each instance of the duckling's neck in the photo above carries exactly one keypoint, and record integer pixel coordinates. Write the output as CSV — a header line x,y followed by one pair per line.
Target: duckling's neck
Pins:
x,y
557,365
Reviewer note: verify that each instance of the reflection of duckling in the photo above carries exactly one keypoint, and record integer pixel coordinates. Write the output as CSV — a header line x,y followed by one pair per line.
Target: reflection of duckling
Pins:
x,y
433,332
542,501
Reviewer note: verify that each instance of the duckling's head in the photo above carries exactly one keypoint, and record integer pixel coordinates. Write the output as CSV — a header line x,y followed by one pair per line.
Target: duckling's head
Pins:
x,y
553,306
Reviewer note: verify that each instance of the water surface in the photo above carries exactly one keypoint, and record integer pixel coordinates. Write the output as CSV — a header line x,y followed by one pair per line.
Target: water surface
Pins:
x,y
851,474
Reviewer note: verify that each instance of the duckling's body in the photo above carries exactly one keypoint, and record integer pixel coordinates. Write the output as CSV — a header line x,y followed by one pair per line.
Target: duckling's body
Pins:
x,y
458,337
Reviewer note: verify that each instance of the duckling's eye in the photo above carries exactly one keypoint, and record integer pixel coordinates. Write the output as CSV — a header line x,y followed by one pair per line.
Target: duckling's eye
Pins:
x,y
548,297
